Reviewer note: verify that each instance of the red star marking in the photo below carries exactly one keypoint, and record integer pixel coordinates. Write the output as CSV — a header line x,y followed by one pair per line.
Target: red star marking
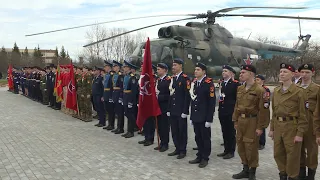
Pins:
x,y
248,61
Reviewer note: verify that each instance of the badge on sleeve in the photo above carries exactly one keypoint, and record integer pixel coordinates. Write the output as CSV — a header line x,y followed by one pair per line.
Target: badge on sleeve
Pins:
x,y
307,104
211,91
188,84
266,105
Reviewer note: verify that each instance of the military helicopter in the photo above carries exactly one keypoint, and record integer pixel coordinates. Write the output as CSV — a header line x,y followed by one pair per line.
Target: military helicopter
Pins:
x,y
207,42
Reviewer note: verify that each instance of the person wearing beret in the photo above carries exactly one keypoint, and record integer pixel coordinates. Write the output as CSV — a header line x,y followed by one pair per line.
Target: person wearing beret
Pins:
x,y
178,108
309,150
130,87
260,80
97,96
288,124
227,100
107,95
117,96
249,121
203,100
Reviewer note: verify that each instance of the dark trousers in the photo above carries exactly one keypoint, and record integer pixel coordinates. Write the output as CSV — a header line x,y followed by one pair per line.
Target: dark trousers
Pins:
x,y
262,140
51,97
120,115
56,104
93,105
129,113
23,89
163,127
110,109
99,105
149,129
16,88
179,131
228,133
203,140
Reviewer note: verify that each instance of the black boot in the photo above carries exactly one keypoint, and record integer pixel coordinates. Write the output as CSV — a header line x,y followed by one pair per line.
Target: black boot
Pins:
x,y
252,174
311,174
243,174
283,176
290,178
302,173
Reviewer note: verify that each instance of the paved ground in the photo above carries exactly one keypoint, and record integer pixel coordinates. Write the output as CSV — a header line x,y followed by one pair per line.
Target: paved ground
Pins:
x,y
40,143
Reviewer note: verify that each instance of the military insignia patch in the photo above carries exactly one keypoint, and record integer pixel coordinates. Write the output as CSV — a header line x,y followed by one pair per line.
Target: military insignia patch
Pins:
x,y
306,66
211,91
188,84
266,105
307,104
179,83
266,95
283,65
133,80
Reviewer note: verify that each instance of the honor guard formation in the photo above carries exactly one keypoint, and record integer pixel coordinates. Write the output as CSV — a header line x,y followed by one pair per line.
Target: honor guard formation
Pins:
x,y
243,110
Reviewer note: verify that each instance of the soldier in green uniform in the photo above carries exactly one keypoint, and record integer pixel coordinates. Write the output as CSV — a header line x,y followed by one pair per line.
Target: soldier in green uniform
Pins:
x,y
78,79
84,88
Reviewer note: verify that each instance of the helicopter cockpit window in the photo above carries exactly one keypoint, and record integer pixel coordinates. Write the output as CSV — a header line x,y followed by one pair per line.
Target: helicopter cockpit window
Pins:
x,y
166,53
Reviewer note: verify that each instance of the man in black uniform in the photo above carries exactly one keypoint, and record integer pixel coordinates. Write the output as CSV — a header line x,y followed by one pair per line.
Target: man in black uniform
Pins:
x,y
178,109
260,80
130,84
163,94
107,95
97,96
227,100
50,85
16,80
203,101
117,95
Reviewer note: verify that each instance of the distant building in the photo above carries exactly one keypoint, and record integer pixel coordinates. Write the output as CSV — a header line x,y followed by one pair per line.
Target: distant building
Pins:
x,y
47,54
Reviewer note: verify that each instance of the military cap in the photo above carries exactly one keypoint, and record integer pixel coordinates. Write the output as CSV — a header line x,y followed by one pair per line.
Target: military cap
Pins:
x,y
201,65
162,65
229,68
306,67
260,77
154,67
249,67
127,63
287,66
116,63
107,63
178,60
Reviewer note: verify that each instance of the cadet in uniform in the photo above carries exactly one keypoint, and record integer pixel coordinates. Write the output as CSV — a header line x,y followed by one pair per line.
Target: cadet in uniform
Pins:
x,y
97,96
249,121
50,85
288,124
117,94
23,81
130,84
163,94
85,88
43,82
227,99
202,109
16,80
260,80
178,109
107,95
309,150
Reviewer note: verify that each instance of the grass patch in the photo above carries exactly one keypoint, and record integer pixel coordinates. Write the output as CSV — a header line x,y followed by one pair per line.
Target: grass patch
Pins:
x,y
3,82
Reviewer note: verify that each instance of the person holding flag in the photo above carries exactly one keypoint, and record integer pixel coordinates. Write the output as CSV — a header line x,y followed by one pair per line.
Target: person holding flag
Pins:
x,y
178,110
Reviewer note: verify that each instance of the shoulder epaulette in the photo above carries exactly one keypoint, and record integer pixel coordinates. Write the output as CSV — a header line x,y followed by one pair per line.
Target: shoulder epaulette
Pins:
x,y
235,81
119,73
168,78
208,80
184,75
111,73
131,74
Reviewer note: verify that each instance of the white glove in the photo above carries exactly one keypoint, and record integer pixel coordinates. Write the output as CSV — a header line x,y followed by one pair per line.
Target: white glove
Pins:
x,y
110,101
191,122
168,113
120,101
137,105
208,124
184,116
129,106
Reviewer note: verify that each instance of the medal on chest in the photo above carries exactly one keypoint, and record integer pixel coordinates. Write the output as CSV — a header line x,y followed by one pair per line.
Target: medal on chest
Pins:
x,y
307,104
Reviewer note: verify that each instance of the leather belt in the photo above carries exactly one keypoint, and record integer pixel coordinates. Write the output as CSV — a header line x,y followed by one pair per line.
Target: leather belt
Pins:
x,y
285,118
116,88
106,89
248,115
127,91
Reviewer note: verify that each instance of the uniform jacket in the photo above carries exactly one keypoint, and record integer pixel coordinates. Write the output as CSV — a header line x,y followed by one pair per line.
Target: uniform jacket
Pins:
x,y
227,96
130,84
117,84
179,101
203,100
97,86
107,84
164,93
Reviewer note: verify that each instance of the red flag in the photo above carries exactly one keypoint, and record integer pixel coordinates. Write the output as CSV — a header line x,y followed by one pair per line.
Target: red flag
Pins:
x,y
72,93
10,78
148,103
58,87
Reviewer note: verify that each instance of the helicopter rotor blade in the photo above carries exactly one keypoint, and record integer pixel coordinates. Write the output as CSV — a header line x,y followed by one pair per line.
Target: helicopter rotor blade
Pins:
x,y
299,27
255,7
268,16
137,30
105,22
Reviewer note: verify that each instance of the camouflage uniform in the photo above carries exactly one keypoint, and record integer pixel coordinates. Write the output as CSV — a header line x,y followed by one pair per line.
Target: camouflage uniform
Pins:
x,y
44,91
84,90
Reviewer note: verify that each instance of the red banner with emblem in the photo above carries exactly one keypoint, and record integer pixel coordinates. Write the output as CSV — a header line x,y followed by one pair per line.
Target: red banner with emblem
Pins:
x,y
10,78
71,101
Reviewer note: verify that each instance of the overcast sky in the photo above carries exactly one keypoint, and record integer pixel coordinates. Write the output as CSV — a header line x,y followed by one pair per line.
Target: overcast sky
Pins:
x,y
21,17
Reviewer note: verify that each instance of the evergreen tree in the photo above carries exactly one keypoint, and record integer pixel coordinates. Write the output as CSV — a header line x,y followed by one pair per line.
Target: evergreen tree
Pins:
x,y
26,60
37,57
3,61
15,55
56,57
63,56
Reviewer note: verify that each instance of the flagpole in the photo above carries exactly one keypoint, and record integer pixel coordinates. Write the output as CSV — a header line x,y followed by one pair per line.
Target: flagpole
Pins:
x,y
157,129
